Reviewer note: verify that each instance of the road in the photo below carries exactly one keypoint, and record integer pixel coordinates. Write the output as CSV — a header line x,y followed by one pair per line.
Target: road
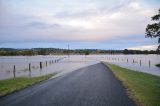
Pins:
x,y
94,85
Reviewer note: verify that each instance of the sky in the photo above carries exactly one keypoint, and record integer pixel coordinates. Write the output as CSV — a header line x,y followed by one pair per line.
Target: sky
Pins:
x,y
83,24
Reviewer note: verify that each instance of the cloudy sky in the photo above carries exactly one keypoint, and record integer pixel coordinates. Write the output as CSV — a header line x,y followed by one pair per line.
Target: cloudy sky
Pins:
x,y
94,24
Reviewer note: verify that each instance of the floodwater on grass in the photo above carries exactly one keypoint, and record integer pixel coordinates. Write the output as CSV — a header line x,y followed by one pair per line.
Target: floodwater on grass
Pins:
x,y
144,63
49,65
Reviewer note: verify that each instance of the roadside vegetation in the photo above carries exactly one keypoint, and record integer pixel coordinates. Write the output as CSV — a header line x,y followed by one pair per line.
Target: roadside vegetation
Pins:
x,y
8,86
143,88
158,65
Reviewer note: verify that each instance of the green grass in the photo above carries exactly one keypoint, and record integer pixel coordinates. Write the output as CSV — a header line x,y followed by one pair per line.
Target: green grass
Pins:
x,y
11,85
143,88
158,65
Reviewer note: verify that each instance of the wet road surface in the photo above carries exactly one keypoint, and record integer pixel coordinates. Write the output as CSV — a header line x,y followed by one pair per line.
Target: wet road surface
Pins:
x,y
94,85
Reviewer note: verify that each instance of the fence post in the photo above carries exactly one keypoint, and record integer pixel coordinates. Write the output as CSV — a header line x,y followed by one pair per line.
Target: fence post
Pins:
x,y
14,71
140,63
29,70
40,65
29,67
133,61
46,63
149,63
127,60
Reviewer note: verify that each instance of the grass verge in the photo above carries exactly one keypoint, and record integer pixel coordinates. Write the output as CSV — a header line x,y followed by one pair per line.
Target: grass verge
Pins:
x,y
143,88
11,85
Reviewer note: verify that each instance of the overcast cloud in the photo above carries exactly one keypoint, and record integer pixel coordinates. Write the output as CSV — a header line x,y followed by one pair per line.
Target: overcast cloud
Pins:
x,y
75,21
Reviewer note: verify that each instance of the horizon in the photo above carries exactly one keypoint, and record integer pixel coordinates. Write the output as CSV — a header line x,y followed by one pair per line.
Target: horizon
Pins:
x,y
105,25
78,49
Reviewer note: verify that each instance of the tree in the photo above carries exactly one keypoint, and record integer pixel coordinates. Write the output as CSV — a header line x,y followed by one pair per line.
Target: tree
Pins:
x,y
125,51
153,30
42,51
86,52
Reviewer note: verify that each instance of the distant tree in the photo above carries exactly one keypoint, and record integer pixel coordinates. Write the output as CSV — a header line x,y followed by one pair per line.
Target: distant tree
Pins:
x,y
86,52
153,30
42,52
28,52
125,51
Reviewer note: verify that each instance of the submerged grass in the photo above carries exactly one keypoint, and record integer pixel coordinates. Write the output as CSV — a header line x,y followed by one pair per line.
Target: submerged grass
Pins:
x,y
143,88
11,85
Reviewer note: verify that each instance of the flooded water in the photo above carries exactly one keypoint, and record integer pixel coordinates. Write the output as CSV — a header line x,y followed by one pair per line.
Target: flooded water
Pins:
x,y
49,65
64,64
143,63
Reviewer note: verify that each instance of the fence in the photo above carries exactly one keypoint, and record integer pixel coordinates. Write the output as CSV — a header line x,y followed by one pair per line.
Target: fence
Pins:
x,y
133,61
42,65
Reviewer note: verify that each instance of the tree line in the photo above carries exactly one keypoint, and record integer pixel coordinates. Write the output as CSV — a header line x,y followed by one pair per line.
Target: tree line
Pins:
x,y
58,51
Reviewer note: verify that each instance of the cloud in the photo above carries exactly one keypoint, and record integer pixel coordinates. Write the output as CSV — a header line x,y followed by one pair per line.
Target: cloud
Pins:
x,y
40,25
144,47
82,20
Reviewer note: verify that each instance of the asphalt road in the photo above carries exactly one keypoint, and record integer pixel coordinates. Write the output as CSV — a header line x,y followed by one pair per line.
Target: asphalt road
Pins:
x,y
94,85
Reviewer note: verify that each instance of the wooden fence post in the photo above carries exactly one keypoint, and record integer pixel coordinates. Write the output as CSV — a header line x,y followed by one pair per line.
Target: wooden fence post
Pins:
x,y
46,63
40,65
29,67
14,71
29,70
